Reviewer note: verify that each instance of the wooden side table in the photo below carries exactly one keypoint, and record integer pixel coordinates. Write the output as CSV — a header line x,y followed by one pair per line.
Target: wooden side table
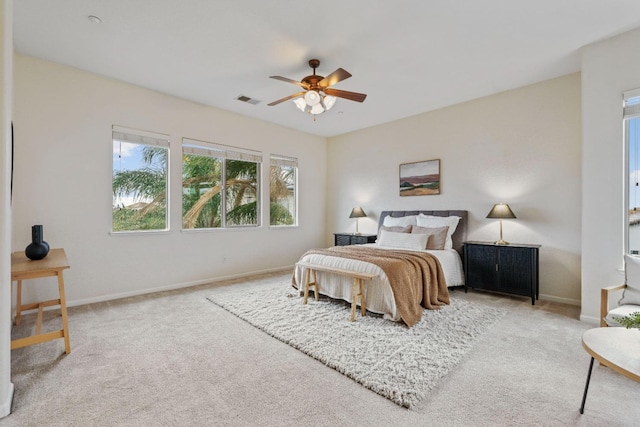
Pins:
x,y
22,268
511,269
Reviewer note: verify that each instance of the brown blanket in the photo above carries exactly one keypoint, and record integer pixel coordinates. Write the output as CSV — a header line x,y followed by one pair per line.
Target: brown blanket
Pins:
x,y
416,278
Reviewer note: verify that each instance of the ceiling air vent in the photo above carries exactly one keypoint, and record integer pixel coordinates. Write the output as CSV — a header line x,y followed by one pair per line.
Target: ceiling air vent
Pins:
x,y
248,100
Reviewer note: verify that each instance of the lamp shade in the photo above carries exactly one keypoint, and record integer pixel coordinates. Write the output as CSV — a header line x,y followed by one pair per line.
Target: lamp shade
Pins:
x,y
357,213
501,211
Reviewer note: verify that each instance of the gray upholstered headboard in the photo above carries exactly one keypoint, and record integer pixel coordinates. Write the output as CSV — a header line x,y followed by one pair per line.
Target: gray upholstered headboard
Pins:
x,y
459,236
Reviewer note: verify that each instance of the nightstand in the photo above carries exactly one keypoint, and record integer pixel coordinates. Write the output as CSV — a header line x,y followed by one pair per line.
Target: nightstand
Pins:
x,y
511,269
346,239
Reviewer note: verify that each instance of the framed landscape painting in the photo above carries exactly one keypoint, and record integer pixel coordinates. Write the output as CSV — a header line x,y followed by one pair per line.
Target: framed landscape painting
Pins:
x,y
420,178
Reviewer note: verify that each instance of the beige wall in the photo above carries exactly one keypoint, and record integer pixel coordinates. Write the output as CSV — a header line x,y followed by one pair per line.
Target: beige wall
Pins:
x,y
63,118
609,68
522,147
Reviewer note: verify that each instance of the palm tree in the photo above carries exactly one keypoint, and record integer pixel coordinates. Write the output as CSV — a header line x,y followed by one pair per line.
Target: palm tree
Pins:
x,y
202,181
202,208
148,183
281,181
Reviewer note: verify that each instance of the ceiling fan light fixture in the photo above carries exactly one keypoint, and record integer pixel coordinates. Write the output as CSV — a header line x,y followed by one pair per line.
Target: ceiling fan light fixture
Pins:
x,y
312,98
301,104
317,109
328,102
314,103
315,98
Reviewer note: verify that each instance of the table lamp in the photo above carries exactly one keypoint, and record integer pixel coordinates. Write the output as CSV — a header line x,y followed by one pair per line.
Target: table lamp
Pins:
x,y
501,211
357,213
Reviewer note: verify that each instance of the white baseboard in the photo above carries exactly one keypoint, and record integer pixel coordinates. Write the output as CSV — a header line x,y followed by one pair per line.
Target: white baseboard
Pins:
x,y
590,320
561,300
72,303
5,407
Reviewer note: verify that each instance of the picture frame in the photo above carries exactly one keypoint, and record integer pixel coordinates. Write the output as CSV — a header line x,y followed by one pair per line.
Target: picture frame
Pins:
x,y
420,178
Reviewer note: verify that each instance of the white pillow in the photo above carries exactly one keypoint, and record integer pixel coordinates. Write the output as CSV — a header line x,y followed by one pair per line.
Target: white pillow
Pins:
x,y
431,221
631,293
402,240
401,221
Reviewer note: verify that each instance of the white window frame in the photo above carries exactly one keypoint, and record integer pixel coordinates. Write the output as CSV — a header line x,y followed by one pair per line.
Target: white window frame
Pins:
x,y
142,137
280,160
224,153
631,111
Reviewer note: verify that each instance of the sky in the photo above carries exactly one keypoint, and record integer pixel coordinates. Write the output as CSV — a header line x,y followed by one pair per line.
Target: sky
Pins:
x,y
126,156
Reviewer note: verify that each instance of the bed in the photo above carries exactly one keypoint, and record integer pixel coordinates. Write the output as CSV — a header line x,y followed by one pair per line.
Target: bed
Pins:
x,y
378,292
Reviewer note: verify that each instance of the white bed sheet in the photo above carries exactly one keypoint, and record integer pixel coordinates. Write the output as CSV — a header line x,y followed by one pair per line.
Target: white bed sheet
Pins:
x,y
378,293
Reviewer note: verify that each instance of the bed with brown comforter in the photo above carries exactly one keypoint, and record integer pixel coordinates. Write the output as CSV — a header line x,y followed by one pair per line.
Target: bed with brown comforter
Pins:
x,y
407,281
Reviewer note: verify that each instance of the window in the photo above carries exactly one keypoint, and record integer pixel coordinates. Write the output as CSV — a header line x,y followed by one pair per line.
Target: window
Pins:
x,y
632,148
220,186
283,191
139,180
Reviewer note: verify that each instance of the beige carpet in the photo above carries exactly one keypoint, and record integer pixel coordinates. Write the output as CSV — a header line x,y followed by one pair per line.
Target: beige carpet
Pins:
x,y
176,359
399,363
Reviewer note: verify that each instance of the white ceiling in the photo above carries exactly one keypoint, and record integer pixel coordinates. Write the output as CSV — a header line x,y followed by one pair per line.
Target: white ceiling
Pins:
x,y
409,56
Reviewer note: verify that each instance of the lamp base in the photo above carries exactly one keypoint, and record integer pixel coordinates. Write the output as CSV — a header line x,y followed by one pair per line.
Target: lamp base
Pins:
x,y
501,242
356,233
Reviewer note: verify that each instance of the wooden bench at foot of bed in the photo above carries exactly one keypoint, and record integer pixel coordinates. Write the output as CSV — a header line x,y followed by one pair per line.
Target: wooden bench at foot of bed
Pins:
x,y
357,290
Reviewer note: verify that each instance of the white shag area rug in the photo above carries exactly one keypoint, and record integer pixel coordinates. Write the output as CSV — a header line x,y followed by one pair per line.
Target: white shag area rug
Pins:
x,y
399,363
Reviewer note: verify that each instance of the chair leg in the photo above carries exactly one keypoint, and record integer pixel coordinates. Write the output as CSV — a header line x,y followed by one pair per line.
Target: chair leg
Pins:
x,y
604,307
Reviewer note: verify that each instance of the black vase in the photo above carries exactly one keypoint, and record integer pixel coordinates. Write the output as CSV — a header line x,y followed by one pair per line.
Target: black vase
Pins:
x,y
38,248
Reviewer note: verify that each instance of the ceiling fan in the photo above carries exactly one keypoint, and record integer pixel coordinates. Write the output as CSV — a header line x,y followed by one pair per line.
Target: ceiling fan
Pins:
x,y
318,95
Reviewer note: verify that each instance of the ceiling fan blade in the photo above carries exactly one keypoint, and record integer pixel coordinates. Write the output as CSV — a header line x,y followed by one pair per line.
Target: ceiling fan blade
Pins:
x,y
286,98
352,96
333,78
295,82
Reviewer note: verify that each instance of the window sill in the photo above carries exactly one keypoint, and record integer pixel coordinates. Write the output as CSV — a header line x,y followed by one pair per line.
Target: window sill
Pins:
x,y
138,233
220,229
